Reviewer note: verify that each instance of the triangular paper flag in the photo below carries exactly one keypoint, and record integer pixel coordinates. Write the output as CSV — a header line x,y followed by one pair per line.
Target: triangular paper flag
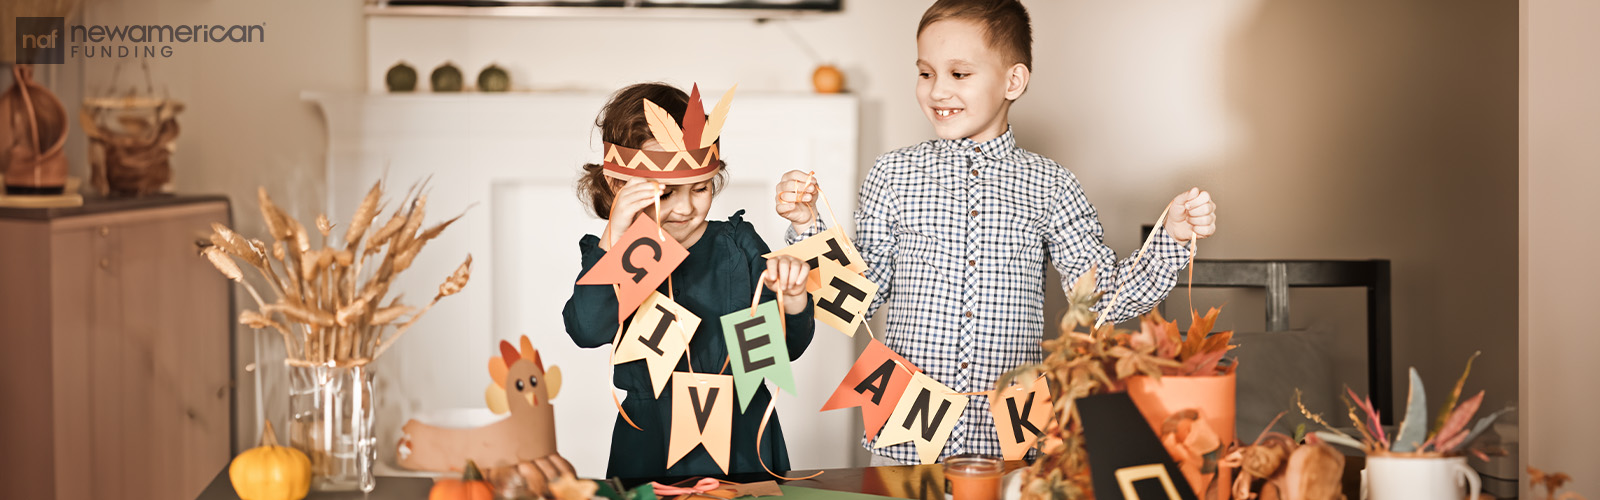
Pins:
x,y
1019,412
843,299
829,245
1126,459
659,334
702,415
875,384
638,263
927,412
757,350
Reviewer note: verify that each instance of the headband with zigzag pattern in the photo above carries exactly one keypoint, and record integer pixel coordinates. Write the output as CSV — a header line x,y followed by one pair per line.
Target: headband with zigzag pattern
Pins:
x,y
689,154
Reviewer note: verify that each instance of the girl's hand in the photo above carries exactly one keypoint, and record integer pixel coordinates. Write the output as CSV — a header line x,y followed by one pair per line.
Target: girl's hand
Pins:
x,y
634,197
786,276
797,199
1191,215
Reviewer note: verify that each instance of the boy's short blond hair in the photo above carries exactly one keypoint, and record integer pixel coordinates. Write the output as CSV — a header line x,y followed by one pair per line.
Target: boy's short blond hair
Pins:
x,y
1005,25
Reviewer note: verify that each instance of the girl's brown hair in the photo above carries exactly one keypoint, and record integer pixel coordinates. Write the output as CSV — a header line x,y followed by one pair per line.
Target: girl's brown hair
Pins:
x,y
622,122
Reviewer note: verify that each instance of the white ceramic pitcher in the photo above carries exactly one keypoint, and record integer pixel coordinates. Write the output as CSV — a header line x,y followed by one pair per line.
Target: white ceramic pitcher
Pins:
x,y
1418,478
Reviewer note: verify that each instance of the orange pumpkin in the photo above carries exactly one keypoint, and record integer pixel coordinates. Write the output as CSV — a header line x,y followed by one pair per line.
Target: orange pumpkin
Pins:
x,y
471,486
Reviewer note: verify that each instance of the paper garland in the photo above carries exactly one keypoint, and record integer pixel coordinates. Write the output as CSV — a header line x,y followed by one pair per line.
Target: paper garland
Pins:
x,y
875,383
702,415
640,261
659,334
757,350
926,414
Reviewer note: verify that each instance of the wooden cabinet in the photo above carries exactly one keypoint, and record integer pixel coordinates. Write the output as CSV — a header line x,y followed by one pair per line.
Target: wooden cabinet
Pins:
x,y
115,351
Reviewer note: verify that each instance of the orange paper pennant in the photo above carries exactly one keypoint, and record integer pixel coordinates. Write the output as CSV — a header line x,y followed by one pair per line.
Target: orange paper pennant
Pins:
x,y
702,415
875,384
659,334
843,299
637,264
1019,411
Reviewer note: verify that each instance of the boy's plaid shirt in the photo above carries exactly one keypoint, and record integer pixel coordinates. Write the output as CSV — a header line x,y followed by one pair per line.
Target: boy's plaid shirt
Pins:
x,y
956,233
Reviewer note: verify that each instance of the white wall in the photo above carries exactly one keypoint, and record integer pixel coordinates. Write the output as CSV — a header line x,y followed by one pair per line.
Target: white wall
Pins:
x,y
1560,168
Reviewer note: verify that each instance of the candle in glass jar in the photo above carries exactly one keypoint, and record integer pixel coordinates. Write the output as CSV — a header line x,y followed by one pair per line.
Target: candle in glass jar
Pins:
x,y
973,477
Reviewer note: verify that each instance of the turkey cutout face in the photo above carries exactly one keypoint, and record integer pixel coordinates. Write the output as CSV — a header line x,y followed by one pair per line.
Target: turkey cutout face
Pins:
x,y
521,383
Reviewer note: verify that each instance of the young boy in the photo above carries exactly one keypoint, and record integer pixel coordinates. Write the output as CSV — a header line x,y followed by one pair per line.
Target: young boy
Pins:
x,y
957,230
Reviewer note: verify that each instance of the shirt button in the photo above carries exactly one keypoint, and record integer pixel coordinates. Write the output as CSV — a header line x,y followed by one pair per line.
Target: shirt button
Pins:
x,y
974,213
969,314
974,172
977,149
972,262
963,365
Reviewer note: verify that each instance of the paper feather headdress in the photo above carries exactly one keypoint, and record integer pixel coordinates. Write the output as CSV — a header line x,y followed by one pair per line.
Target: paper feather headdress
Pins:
x,y
690,152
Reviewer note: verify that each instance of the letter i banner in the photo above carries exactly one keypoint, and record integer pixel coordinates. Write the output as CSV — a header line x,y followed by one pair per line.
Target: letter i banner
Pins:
x,y
659,334
875,383
702,415
1019,411
637,264
926,414
757,349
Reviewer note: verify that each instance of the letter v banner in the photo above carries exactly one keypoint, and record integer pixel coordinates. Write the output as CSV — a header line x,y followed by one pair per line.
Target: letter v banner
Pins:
x,y
757,350
1019,411
702,415
875,384
927,412
637,264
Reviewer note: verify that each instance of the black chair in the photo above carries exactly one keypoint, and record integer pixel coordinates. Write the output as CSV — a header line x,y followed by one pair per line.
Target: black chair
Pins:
x,y
1277,276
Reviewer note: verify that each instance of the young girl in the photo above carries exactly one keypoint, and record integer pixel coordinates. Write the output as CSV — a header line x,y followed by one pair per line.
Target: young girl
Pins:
x,y
724,267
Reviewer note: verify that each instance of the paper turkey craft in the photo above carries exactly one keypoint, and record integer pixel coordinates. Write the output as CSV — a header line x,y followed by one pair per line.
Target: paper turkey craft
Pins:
x,y
521,387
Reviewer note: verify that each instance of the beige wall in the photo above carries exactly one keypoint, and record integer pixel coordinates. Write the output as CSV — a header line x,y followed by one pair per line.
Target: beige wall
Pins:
x,y
1326,129
1560,166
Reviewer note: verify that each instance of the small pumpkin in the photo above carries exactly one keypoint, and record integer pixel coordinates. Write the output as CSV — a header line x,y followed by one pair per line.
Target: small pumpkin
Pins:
x,y
494,79
445,78
827,79
401,78
471,486
271,472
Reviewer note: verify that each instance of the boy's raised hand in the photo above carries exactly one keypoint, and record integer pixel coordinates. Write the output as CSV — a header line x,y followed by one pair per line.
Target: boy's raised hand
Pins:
x,y
786,276
797,199
634,197
1191,215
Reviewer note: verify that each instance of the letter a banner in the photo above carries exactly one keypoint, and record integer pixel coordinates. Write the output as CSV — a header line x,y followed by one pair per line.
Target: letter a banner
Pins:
x,y
927,412
1018,412
875,384
658,334
637,264
757,350
702,415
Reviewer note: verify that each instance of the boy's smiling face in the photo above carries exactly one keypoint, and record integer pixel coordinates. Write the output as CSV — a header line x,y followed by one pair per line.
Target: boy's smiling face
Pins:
x,y
963,84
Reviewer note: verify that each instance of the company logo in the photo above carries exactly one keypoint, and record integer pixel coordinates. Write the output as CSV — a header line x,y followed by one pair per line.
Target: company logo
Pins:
x,y
48,40
41,40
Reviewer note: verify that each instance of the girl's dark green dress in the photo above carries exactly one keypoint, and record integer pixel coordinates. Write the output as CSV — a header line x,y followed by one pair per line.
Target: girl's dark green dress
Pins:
x,y
718,277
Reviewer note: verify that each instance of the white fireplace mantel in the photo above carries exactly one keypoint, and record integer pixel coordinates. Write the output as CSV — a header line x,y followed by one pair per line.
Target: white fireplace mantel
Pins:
x,y
513,159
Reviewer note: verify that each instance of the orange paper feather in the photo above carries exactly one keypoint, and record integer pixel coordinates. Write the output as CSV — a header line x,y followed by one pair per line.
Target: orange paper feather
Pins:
x,y
663,127
719,114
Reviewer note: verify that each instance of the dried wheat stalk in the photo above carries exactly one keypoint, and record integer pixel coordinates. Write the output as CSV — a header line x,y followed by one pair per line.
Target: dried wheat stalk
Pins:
x,y
322,305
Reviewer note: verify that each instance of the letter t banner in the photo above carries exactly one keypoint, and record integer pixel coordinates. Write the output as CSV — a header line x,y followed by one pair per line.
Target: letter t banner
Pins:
x,y
757,350
927,412
637,264
1019,411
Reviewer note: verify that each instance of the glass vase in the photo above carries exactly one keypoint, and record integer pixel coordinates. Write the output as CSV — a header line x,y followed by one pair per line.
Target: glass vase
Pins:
x,y
330,419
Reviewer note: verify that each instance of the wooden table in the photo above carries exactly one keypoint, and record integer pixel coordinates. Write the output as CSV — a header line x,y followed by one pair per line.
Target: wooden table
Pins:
x,y
920,482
